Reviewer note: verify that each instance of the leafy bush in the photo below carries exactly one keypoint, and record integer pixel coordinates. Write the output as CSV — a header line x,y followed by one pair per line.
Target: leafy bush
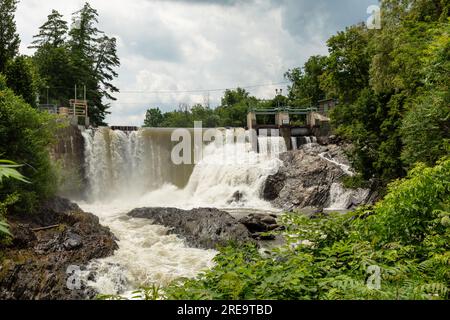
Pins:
x,y
22,78
406,237
25,136
8,169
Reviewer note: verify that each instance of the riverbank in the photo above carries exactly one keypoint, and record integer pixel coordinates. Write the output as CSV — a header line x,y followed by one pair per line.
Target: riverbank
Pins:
x,y
47,247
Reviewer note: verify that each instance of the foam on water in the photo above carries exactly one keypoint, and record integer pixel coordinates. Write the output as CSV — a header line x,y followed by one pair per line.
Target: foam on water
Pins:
x,y
128,171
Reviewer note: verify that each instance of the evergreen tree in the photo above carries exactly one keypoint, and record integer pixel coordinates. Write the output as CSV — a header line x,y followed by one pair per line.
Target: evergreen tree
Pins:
x,y
53,60
106,60
9,39
52,33
94,56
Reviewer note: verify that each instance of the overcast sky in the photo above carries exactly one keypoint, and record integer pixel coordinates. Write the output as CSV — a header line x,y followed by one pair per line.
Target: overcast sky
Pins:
x,y
174,51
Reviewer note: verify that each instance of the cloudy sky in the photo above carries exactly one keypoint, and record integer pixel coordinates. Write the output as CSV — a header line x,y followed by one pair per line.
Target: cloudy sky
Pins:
x,y
184,51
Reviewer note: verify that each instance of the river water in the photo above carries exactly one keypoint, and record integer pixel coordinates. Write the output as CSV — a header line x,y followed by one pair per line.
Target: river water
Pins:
x,y
131,170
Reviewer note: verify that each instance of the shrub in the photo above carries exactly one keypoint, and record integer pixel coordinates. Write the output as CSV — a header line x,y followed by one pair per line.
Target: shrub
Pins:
x,y
25,136
406,237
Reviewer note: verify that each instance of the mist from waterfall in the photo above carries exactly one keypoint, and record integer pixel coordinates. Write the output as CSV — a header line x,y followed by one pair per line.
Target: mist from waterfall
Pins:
x,y
125,171
137,167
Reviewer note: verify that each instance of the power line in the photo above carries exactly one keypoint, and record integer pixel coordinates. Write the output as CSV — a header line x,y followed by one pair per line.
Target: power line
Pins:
x,y
206,90
190,91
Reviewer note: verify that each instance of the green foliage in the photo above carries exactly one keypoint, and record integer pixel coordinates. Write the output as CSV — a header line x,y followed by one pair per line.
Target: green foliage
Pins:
x,y
355,182
406,236
94,57
22,78
234,108
392,85
32,132
148,293
305,89
84,56
9,39
425,128
347,66
232,112
8,170
7,202
412,205
52,33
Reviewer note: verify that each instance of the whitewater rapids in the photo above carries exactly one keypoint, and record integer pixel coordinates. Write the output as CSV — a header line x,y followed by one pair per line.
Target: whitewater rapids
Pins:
x,y
131,170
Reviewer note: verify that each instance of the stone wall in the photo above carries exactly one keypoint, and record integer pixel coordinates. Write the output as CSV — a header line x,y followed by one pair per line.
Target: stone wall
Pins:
x,y
68,157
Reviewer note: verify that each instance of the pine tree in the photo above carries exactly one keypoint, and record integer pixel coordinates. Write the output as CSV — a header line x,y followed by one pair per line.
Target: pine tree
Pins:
x,y
53,32
94,56
9,39
106,60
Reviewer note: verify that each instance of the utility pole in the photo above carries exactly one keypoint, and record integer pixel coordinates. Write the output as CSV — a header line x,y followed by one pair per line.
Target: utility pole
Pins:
x,y
278,92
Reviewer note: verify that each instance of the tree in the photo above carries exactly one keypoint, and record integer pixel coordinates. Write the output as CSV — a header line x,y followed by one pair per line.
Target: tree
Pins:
x,y
233,97
55,68
234,108
347,67
106,61
206,115
425,127
393,88
22,78
94,57
305,89
153,118
25,135
9,39
52,33
53,60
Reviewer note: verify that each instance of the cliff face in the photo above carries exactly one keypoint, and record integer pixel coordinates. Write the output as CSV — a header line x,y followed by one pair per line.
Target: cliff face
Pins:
x,y
311,178
68,156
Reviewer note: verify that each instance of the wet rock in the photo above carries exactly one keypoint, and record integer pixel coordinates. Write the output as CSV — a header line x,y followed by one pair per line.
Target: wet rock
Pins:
x,y
307,176
34,266
73,241
204,228
259,222
237,197
273,186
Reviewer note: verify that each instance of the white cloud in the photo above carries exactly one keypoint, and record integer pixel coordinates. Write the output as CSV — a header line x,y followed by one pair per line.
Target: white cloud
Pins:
x,y
193,45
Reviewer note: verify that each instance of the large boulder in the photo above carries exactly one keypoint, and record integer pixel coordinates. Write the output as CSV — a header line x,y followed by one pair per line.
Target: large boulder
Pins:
x,y
204,228
260,224
311,177
36,264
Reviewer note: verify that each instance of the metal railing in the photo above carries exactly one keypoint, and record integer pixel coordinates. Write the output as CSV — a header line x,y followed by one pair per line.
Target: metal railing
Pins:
x,y
50,108
294,111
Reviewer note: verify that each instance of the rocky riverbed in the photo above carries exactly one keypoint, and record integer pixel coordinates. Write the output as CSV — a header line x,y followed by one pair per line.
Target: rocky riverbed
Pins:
x,y
34,265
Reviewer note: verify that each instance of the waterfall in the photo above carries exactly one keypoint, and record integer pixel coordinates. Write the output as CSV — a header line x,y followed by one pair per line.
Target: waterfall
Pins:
x,y
294,143
137,167
342,199
129,170
122,163
346,168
